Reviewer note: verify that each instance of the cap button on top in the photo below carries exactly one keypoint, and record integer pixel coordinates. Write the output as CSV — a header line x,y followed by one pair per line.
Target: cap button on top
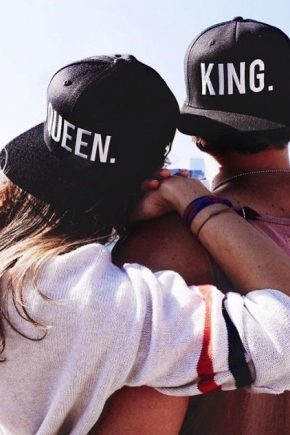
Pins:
x,y
238,19
124,58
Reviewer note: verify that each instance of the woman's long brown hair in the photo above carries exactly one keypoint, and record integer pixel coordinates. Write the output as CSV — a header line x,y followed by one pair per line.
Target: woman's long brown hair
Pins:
x,y
32,232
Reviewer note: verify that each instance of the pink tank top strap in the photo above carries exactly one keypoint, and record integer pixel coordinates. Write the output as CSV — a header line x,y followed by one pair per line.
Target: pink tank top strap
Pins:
x,y
277,228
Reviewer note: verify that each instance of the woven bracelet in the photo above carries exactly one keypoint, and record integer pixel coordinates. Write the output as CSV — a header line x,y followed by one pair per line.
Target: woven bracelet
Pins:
x,y
195,206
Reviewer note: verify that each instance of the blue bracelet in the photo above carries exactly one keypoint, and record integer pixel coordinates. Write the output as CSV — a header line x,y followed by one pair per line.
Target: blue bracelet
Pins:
x,y
195,206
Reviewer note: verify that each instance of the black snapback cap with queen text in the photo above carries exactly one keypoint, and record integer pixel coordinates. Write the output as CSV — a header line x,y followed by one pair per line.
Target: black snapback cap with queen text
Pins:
x,y
105,114
237,75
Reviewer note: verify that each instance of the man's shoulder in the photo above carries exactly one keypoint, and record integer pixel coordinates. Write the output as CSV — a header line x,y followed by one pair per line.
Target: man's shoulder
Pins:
x,y
163,244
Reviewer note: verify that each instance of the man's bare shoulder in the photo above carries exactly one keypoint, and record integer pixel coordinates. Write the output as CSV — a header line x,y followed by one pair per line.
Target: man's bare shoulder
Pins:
x,y
163,244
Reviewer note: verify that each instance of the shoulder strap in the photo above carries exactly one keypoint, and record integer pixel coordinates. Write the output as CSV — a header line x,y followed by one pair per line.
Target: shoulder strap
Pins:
x,y
247,213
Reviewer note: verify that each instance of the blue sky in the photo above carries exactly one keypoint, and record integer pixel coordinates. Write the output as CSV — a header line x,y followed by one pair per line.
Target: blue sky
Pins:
x,y
39,36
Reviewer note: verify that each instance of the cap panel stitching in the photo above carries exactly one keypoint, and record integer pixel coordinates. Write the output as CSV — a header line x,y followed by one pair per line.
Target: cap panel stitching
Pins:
x,y
236,32
187,56
77,62
89,83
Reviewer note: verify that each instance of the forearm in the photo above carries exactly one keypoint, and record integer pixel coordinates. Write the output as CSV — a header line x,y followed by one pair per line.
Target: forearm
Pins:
x,y
250,259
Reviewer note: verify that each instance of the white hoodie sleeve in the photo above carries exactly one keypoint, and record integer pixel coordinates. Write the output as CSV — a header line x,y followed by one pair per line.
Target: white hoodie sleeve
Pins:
x,y
263,321
134,327
195,340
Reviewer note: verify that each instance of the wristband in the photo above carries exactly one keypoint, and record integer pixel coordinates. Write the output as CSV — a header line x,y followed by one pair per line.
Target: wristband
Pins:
x,y
195,206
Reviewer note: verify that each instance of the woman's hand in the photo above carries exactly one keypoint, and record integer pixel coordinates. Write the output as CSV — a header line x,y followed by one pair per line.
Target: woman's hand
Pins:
x,y
166,194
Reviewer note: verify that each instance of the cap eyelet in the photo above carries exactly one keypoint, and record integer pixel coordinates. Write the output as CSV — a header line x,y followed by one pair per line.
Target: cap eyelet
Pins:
x,y
212,42
67,82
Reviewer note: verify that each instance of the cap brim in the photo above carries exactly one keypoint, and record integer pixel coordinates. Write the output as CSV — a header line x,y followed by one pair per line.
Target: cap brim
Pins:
x,y
29,164
194,121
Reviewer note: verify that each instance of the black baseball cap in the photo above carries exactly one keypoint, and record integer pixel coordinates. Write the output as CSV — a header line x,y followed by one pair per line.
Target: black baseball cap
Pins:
x,y
104,115
237,75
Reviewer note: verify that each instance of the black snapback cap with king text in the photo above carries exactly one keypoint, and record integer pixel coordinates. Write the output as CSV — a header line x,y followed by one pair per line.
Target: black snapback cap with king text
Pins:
x,y
105,115
237,74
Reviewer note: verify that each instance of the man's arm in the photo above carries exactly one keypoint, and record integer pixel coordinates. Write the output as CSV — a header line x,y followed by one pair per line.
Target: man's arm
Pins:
x,y
142,411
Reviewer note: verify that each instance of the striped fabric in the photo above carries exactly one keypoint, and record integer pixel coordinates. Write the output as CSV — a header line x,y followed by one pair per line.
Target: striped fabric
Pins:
x,y
237,363
111,327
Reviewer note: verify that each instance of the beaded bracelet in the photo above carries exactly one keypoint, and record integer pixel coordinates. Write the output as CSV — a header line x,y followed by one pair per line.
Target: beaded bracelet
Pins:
x,y
195,206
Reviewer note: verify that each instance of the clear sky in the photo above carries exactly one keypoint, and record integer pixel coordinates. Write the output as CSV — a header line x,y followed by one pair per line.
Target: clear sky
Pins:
x,y
39,36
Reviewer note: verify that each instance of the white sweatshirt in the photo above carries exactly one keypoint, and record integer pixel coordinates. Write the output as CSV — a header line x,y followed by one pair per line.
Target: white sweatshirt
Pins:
x,y
111,327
